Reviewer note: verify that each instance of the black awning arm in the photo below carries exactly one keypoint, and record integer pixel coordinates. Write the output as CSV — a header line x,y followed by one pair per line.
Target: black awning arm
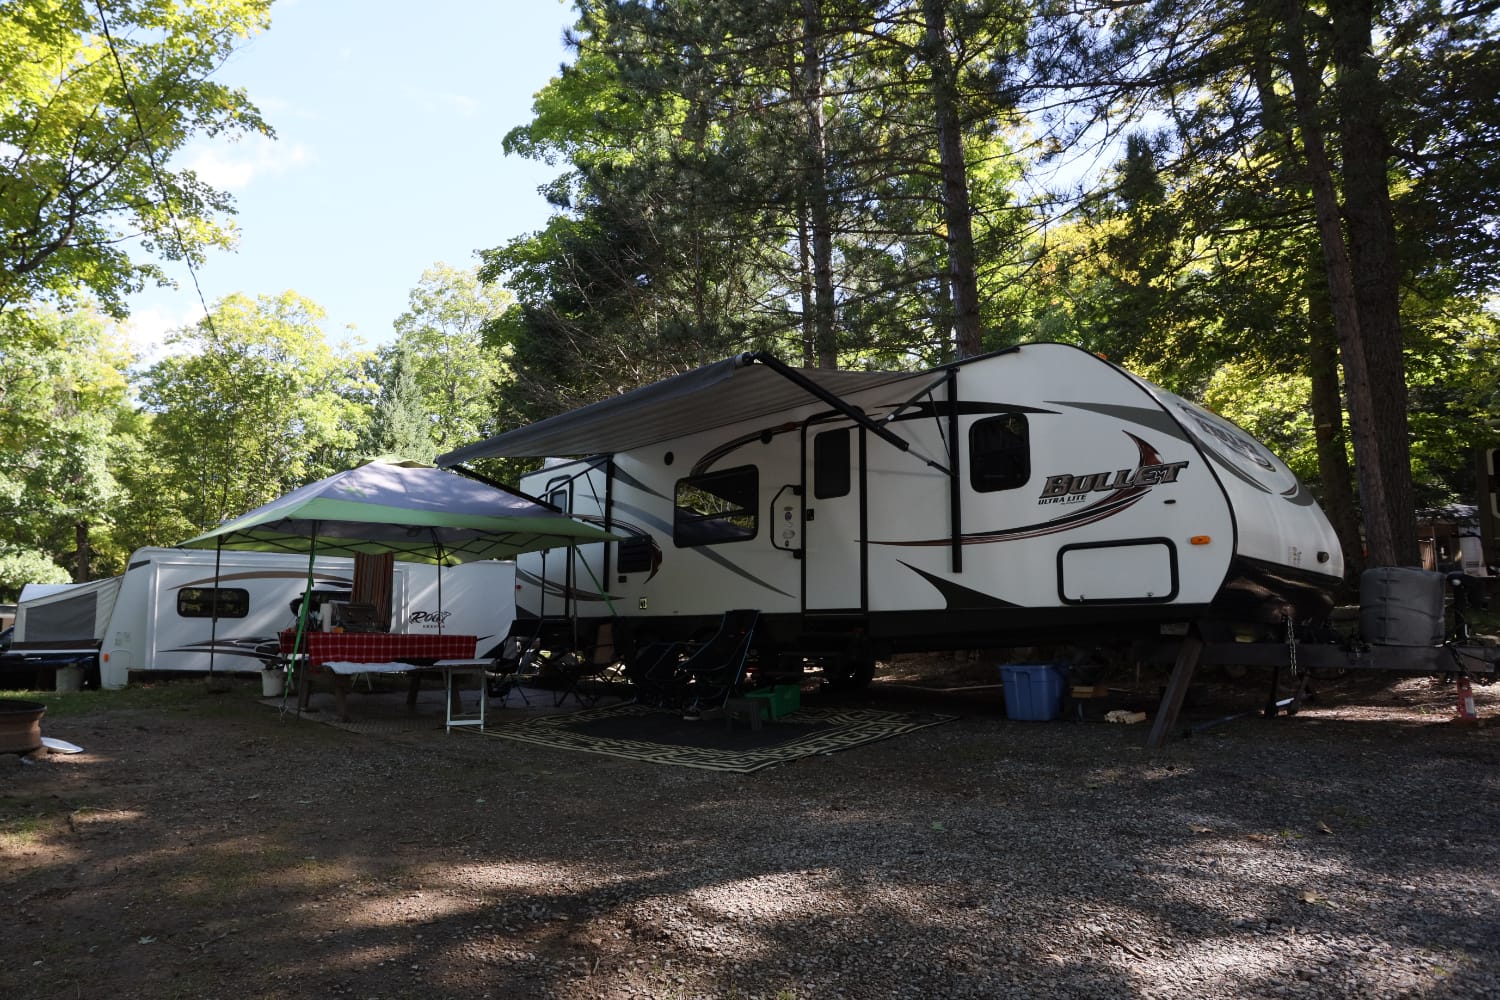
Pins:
x,y
479,477
838,403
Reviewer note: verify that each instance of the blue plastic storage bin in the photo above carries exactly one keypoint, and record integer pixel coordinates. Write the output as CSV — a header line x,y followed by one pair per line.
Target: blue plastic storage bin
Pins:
x,y
1033,691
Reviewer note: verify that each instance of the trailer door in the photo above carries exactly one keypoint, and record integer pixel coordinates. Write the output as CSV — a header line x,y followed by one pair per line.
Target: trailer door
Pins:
x,y
833,495
556,569
575,575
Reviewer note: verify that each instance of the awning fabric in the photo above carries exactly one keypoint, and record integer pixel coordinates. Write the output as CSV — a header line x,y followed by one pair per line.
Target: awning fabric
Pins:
x,y
723,393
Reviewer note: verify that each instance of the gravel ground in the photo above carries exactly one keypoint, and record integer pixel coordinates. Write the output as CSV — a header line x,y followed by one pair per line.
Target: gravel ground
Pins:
x,y
205,847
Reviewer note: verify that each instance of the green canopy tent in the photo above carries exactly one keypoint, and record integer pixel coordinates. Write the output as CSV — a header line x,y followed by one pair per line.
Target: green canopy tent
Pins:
x,y
414,512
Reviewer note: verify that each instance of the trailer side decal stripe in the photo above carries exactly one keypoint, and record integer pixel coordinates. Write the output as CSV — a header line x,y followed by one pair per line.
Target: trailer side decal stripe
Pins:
x,y
958,597
708,553
714,454
963,408
1156,420
319,576
635,484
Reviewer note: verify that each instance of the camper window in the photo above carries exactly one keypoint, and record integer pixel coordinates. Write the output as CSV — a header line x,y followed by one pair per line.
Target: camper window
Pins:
x,y
831,464
634,554
198,602
999,453
716,507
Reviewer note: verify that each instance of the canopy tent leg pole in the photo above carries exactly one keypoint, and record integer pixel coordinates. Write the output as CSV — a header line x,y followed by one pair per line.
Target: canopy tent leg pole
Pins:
x,y
602,592
304,691
438,547
213,624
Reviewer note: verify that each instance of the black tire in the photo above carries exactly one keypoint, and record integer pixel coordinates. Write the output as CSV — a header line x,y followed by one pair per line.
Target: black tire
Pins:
x,y
848,677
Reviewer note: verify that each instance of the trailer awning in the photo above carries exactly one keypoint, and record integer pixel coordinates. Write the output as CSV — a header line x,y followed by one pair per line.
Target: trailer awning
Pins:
x,y
716,395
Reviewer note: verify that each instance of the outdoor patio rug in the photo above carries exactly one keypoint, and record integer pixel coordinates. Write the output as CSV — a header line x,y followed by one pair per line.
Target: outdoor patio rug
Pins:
x,y
638,732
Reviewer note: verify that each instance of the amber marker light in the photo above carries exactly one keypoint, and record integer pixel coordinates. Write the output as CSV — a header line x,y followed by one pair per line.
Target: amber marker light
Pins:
x,y
1199,540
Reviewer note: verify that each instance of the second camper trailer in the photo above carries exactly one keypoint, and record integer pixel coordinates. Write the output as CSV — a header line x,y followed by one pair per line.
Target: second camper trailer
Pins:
x,y
159,616
1038,494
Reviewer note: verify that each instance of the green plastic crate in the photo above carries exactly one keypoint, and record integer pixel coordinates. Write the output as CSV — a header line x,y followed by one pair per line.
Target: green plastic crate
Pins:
x,y
783,699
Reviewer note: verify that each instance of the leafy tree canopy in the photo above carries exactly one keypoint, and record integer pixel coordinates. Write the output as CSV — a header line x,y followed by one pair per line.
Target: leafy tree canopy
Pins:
x,y
91,113
253,404
440,379
63,400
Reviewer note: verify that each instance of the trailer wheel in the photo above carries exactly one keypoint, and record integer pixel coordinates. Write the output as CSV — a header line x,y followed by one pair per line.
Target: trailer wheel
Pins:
x,y
848,676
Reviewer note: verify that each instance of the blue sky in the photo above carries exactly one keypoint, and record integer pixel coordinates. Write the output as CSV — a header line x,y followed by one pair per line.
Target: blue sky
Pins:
x,y
389,119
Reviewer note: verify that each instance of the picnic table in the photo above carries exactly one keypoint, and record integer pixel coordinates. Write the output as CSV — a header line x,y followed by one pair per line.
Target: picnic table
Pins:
x,y
344,654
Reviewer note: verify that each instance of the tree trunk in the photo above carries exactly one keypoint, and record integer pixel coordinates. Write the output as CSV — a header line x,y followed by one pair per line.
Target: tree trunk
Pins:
x,y
960,232
85,553
1379,543
1328,423
819,214
1359,93
805,285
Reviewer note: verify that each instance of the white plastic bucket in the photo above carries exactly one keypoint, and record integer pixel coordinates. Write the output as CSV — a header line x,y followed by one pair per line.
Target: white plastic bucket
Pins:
x,y
69,679
272,683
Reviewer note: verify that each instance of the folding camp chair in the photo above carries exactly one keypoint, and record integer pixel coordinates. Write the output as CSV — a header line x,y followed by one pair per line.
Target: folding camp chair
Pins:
x,y
653,674
518,662
715,670
576,667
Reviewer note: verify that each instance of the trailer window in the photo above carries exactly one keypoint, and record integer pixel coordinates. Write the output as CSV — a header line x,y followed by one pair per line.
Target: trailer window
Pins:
x,y
831,464
716,507
198,602
999,453
635,554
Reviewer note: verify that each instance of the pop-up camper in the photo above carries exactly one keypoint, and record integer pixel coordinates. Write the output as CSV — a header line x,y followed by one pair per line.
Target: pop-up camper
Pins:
x,y
1032,495
158,615
60,624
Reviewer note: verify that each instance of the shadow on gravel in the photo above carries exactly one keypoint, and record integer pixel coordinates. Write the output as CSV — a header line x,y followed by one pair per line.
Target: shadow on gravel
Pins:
x,y
207,849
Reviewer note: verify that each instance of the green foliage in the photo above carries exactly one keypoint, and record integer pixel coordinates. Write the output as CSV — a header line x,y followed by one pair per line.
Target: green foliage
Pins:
x,y
87,132
1455,399
440,379
717,150
19,567
253,404
1272,406
63,404
400,424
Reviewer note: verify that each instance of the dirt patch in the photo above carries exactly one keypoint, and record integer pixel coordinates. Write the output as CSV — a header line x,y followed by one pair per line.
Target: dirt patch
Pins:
x,y
208,846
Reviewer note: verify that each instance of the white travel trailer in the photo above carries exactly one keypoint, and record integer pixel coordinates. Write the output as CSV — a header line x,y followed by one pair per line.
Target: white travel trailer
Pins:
x,y
1038,494
159,612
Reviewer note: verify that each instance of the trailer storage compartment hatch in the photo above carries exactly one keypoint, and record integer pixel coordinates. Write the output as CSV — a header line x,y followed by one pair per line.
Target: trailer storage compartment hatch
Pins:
x,y
1140,570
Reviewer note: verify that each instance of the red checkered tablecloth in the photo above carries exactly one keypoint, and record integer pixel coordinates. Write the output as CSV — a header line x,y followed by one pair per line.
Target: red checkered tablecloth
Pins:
x,y
378,647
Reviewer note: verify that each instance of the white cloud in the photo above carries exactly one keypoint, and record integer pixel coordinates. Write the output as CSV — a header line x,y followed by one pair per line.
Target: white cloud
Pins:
x,y
465,106
234,167
442,102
